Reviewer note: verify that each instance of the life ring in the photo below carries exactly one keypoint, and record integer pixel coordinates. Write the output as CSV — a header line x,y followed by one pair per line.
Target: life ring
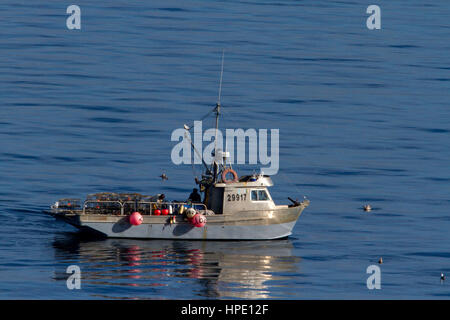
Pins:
x,y
227,171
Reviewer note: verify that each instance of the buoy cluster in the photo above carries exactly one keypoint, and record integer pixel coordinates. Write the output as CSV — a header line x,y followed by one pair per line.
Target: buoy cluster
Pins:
x,y
196,219
193,217
158,212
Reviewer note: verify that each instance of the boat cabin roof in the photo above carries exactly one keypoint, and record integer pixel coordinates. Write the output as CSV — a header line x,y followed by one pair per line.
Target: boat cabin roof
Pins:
x,y
248,181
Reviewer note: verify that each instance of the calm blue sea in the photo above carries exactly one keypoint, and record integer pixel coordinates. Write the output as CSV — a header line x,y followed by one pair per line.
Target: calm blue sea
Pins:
x,y
363,118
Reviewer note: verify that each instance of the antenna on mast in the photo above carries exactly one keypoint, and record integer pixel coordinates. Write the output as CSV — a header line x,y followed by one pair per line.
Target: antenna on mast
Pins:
x,y
217,110
221,76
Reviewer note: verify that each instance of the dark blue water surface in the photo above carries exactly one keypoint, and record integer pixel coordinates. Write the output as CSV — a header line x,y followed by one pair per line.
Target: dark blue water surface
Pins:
x,y
363,118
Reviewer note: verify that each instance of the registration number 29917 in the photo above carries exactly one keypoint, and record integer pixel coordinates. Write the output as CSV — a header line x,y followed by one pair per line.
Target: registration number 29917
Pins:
x,y
236,197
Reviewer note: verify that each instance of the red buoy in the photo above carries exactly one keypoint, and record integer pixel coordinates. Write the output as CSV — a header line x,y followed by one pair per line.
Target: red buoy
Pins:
x,y
165,212
199,220
136,218
157,212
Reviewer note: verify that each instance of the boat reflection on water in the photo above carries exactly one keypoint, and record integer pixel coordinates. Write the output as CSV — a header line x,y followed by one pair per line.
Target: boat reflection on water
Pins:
x,y
156,269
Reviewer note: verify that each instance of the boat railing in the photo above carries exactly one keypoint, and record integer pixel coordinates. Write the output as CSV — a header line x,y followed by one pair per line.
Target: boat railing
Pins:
x,y
144,207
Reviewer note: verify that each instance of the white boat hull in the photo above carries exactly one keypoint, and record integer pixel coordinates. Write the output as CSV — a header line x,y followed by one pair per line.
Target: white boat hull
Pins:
x,y
218,227
187,231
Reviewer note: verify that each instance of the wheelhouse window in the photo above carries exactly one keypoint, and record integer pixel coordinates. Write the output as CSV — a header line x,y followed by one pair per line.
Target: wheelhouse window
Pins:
x,y
262,195
259,195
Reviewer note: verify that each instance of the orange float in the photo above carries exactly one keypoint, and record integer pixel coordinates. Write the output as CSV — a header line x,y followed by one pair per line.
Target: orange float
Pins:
x,y
199,220
136,218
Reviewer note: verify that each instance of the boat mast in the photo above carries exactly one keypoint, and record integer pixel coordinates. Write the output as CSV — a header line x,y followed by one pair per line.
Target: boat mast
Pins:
x,y
217,111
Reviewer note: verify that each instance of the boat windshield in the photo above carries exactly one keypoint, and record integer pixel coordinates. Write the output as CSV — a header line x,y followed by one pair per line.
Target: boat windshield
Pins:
x,y
259,195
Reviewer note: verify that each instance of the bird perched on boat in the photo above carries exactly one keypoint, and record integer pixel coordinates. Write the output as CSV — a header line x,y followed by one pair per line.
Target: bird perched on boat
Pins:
x,y
442,277
164,177
367,207
380,261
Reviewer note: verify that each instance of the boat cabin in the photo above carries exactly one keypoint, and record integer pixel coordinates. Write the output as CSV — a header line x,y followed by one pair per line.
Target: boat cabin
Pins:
x,y
249,193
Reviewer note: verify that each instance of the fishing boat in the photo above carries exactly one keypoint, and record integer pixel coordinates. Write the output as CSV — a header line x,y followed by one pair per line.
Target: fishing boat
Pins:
x,y
240,209
233,208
